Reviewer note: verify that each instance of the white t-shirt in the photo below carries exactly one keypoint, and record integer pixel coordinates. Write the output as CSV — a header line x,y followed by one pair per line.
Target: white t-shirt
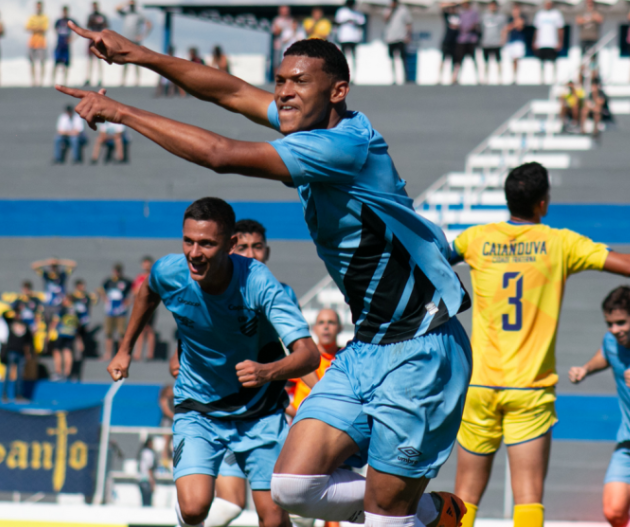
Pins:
x,y
67,124
146,463
110,128
350,23
547,24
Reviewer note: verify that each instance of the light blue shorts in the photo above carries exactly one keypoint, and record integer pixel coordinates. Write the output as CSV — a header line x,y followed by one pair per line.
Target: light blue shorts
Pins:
x,y
200,444
619,467
401,403
229,467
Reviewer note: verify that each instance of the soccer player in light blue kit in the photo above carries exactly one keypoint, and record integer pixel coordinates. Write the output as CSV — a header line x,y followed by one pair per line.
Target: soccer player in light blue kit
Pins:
x,y
229,393
615,353
398,389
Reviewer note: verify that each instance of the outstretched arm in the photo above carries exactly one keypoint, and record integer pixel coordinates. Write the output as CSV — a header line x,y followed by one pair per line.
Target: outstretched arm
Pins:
x,y
189,142
598,363
146,303
617,263
208,84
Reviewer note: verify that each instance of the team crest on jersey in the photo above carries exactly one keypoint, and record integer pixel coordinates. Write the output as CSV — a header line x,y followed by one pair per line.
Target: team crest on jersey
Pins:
x,y
249,327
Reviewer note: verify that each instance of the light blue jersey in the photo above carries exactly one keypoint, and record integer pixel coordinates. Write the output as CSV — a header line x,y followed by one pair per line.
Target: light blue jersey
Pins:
x,y
618,357
219,331
390,263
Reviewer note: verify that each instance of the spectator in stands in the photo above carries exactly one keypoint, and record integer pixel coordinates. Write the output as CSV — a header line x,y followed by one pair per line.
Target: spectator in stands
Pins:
x,y
596,108
146,471
350,31
115,293
467,38
82,301
37,25
398,34
515,30
97,21
66,324
167,405
589,21
571,103
492,38
70,134
136,28
17,351
548,36
193,56
284,21
148,333
291,35
450,13
317,25
166,88
109,132
220,60
55,274
62,51
29,305
1,35
326,329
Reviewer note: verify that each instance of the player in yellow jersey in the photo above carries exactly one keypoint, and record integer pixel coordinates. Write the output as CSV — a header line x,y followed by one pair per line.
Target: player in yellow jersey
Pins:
x,y
518,269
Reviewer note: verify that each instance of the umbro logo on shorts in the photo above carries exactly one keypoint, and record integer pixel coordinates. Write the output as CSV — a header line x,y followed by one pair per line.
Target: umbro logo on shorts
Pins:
x,y
409,454
177,453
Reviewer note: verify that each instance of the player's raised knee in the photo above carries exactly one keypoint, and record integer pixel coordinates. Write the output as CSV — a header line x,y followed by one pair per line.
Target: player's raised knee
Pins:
x,y
617,516
298,494
192,511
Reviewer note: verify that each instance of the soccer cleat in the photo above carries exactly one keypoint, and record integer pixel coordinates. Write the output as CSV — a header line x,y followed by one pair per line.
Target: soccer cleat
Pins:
x,y
450,509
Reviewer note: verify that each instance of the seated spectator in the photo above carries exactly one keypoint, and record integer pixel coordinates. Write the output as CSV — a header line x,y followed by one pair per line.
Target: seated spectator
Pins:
x,y
317,26
571,107
70,134
193,56
66,325
109,132
17,351
220,60
596,108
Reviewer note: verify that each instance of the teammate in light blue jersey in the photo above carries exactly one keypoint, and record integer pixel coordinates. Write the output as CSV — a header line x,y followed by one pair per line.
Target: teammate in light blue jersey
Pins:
x,y
615,353
229,393
398,389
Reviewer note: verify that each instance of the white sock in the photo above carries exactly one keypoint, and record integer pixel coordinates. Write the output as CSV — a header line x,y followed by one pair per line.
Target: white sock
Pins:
x,y
376,520
222,512
180,520
426,509
338,497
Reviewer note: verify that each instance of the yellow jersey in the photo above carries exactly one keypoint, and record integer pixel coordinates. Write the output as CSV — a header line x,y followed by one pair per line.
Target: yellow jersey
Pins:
x,y
317,29
37,25
518,274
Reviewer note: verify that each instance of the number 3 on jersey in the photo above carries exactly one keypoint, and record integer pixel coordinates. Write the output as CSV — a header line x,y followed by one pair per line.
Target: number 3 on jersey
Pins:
x,y
515,300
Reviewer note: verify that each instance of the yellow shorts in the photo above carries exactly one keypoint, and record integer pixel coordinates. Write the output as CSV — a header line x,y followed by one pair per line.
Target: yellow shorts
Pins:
x,y
516,416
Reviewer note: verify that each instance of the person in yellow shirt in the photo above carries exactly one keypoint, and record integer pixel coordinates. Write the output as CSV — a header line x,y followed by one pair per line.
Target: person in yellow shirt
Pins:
x,y
317,26
37,25
327,327
518,269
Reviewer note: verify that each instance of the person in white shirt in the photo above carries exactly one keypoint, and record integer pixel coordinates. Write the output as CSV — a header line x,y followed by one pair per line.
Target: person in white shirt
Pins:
x,y
548,36
69,134
350,30
109,132
146,472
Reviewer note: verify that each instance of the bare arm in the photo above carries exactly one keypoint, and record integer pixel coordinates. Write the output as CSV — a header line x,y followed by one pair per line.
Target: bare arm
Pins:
x,y
70,264
189,142
166,409
598,363
303,359
617,263
560,38
146,303
207,84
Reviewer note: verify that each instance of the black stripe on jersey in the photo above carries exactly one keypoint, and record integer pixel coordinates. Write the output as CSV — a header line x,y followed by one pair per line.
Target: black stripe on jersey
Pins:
x,y
274,398
365,260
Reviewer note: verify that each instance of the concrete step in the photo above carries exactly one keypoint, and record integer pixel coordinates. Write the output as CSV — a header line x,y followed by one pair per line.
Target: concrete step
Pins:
x,y
532,126
551,107
558,142
468,180
454,197
466,216
550,161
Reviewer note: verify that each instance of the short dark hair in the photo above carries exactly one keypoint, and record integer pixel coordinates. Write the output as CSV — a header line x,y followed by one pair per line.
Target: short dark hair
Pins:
x,y
118,267
212,209
79,281
524,187
250,227
147,258
335,63
28,284
618,298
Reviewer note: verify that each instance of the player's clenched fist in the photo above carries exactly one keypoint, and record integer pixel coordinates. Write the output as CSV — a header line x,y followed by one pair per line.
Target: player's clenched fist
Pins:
x,y
109,45
577,374
119,366
252,374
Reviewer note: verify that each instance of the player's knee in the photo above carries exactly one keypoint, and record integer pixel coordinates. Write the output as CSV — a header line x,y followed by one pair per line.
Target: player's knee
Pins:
x,y
192,512
617,516
273,517
298,494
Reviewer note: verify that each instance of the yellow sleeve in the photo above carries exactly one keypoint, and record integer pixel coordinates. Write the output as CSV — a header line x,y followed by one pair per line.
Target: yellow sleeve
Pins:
x,y
29,23
582,253
460,244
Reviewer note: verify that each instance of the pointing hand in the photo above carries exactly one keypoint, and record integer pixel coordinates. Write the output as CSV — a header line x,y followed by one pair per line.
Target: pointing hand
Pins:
x,y
94,107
